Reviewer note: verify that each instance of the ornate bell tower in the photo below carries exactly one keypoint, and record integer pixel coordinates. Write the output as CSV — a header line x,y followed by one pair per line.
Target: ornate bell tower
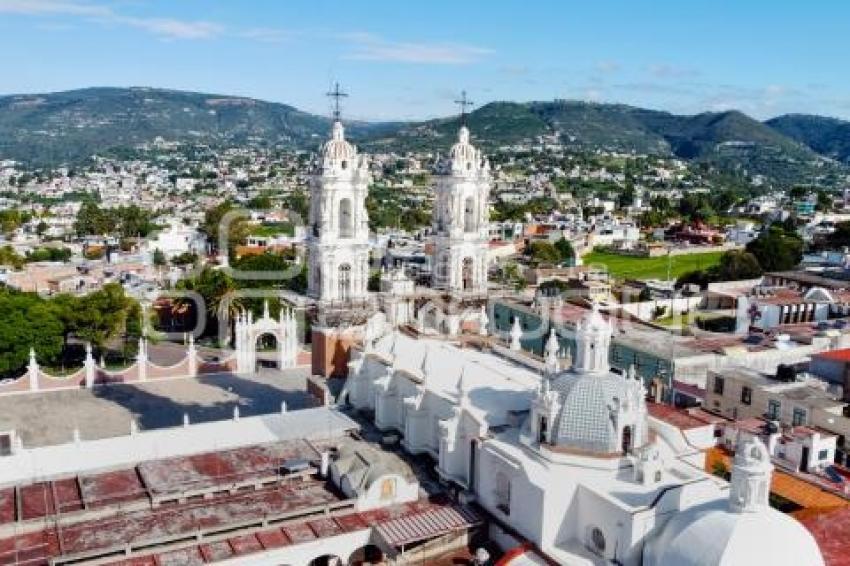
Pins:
x,y
338,249
339,224
593,340
461,217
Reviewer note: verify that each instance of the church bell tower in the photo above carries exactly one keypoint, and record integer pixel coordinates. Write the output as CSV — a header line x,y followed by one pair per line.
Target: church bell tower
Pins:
x,y
338,250
461,217
338,240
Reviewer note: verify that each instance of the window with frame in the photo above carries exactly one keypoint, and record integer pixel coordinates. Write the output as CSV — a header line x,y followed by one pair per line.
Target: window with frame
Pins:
x,y
774,408
823,455
503,493
5,444
798,417
597,541
718,385
746,395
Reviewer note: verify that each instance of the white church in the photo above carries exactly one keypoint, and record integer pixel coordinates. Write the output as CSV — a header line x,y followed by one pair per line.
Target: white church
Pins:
x,y
566,458
570,460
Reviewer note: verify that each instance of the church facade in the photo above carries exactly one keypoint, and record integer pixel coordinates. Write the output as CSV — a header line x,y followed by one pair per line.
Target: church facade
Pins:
x,y
570,459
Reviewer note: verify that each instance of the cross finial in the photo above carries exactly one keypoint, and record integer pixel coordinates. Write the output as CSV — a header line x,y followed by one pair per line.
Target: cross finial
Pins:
x,y
464,103
336,94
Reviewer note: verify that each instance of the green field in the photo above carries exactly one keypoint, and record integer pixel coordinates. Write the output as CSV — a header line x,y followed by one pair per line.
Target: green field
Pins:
x,y
623,267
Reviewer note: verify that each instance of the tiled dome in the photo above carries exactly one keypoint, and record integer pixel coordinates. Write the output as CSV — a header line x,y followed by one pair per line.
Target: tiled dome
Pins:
x,y
586,419
336,148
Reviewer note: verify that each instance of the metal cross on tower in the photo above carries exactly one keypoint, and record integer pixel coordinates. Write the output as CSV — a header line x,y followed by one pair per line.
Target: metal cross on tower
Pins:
x,y
464,103
336,94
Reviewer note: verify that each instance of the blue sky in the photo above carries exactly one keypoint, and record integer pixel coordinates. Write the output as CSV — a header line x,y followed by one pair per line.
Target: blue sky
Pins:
x,y
404,59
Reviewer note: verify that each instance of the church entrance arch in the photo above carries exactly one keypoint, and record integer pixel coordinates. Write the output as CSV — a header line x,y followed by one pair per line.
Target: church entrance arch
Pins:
x,y
265,342
267,347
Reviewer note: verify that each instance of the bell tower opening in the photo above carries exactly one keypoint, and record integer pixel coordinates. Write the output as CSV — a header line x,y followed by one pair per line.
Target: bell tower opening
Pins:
x,y
469,215
627,440
344,282
467,274
346,224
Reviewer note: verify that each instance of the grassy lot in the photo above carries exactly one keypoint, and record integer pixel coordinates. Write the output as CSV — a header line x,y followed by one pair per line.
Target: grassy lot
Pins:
x,y
623,267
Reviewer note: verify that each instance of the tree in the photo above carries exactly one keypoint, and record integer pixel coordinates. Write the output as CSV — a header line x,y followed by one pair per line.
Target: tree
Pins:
x,y
542,252
298,203
99,316
159,258
215,288
186,258
776,249
841,237
134,221
736,265
236,227
260,202
94,221
27,321
565,249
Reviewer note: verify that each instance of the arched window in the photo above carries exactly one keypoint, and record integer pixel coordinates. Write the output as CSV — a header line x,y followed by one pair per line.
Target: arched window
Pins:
x,y
344,282
467,273
597,541
627,439
469,215
442,268
346,220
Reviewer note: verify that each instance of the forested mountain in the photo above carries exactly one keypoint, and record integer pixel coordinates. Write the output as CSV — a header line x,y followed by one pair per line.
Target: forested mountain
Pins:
x,y
70,126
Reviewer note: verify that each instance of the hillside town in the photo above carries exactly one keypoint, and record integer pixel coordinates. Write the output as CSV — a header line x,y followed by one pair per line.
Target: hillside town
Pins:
x,y
532,354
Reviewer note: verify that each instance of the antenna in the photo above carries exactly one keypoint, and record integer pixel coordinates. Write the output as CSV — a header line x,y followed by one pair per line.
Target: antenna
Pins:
x,y
464,103
336,94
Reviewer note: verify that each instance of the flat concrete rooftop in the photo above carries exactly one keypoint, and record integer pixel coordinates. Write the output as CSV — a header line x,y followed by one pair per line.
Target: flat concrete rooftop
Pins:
x,y
50,417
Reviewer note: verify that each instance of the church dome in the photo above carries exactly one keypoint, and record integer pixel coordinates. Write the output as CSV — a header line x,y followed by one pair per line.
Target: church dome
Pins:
x,y
594,410
590,408
743,530
712,535
463,150
464,156
337,148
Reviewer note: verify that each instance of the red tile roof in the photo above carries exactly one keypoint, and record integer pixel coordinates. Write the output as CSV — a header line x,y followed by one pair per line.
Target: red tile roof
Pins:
x,y
831,529
842,355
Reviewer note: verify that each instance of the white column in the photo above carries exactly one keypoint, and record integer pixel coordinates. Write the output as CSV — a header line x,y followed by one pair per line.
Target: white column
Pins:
x,y
142,360
192,354
33,371
91,367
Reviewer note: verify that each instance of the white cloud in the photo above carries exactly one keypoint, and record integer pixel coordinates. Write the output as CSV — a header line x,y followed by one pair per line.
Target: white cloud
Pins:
x,y
52,7
665,71
369,47
608,66
168,28
165,28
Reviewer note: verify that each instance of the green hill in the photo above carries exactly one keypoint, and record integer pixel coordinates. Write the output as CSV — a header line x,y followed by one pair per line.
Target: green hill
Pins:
x,y
70,126
67,126
827,136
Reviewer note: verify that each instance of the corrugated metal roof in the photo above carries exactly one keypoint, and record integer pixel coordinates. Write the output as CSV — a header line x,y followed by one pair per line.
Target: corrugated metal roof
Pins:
x,y
428,524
